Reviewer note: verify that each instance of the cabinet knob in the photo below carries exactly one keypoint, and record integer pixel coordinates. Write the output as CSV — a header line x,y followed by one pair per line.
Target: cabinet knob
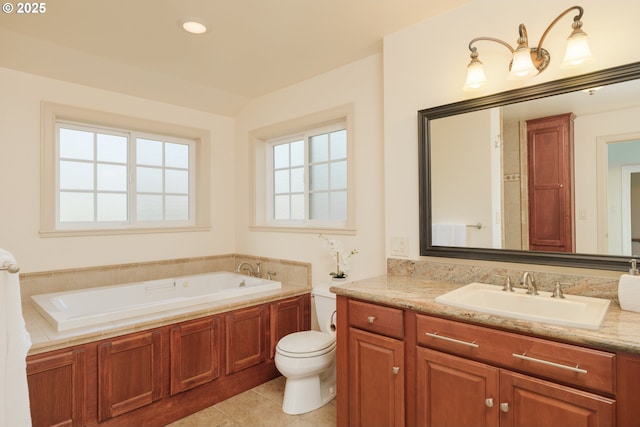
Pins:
x,y
489,402
504,407
395,370
370,319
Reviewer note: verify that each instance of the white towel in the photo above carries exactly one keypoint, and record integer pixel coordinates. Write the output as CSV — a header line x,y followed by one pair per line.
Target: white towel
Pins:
x,y
14,345
629,292
449,235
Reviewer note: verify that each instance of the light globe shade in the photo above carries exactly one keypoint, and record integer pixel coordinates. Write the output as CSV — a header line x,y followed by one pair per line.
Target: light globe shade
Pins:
x,y
522,66
475,76
578,51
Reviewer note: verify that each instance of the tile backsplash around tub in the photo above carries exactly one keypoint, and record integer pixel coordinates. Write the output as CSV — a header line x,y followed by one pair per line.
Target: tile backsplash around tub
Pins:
x,y
465,273
290,272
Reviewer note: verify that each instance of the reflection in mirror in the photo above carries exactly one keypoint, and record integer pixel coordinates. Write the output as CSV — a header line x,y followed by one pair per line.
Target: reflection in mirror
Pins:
x,y
545,174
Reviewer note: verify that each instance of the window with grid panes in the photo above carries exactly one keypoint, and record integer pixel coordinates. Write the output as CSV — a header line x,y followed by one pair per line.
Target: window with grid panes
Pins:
x,y
309,178
114,178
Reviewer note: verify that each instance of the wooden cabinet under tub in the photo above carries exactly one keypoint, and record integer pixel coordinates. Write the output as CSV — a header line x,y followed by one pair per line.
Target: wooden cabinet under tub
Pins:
x,y
195,353
246,338
129,373
288,316
154,377
57,388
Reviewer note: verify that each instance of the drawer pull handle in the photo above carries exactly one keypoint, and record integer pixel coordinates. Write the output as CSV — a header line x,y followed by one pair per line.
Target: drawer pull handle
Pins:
x,y
489,402
440,337
370,319
504,407
524,356
395,370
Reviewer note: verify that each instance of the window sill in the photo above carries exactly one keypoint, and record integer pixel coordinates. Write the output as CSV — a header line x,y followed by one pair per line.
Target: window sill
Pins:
x,y
120,231
297,229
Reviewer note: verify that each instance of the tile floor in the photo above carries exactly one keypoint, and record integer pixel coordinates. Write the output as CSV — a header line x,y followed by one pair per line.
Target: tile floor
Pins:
x,y
259,407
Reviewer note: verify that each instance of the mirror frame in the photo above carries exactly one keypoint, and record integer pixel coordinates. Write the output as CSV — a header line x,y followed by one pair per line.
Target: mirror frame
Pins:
x,y
556,87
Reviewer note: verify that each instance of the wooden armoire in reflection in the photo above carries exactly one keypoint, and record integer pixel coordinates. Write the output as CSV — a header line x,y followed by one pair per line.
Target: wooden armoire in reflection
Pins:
x,y
550,177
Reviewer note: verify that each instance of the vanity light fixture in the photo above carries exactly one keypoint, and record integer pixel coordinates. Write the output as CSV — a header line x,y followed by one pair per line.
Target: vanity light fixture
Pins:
x,y
194,27
592,90
528,62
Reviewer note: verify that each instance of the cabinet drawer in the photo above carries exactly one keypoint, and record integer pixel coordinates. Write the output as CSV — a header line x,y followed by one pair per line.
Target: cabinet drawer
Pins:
x,y
570,364
374,318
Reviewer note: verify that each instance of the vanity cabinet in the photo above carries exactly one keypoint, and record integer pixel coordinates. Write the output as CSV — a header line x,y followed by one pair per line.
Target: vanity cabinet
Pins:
x,y
451,373
530,402
452,391
375,363
491,393
155,377
376,381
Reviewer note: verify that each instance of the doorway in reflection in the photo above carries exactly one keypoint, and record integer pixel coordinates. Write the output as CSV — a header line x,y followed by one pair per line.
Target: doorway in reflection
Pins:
x,y
623,197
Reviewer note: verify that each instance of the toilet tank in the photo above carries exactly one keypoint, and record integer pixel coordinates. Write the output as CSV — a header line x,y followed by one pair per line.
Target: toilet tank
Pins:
x,y
325,307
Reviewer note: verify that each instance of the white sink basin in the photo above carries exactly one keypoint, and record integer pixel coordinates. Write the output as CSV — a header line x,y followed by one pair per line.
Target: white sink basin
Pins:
x,y
573,310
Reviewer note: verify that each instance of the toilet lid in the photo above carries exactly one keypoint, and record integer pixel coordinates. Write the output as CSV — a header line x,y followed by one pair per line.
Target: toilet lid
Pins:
x,y
306,344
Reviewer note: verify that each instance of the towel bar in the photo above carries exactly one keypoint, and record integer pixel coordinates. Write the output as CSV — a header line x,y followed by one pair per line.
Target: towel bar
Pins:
x,y
478,225
11,268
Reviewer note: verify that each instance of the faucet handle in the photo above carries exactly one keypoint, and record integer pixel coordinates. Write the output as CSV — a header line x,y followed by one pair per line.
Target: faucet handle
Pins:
x,y
557,290
508,285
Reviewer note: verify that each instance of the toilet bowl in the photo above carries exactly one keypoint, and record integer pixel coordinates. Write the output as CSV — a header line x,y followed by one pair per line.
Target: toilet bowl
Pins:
x,y
308,359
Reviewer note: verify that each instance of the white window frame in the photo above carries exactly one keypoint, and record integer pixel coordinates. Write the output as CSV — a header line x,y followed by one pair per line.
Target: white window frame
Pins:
x,y
199,181
262,141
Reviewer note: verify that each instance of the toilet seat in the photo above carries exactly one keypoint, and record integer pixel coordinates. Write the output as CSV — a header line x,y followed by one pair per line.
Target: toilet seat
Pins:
x,y
306,344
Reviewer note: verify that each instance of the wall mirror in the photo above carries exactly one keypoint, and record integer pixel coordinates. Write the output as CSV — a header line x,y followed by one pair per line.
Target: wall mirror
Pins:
x,y
483,180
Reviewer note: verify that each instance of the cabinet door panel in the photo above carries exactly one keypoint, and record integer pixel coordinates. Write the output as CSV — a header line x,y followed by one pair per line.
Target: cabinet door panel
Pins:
x,y
129,374
550,179
246,341
195,354
376,380
57,389
453,392
289,316
537,403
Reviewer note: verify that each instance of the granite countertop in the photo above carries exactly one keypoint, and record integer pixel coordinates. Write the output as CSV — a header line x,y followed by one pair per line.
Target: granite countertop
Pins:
x,y
620,329
45,337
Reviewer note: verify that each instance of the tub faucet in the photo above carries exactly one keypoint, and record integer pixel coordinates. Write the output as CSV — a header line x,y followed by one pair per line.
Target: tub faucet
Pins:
x,y
250,271
530,283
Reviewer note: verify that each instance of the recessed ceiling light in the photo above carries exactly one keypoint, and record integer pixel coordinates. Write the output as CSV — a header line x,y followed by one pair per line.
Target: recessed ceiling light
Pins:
x,y
194,27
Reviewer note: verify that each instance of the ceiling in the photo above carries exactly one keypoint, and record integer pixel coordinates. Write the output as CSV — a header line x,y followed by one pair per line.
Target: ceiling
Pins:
x,y
253,47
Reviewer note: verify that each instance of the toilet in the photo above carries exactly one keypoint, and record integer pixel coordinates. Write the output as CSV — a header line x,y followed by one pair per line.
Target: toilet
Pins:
x,y
307,359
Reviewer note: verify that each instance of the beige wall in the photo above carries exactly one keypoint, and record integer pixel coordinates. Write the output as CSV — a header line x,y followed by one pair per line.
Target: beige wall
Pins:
x,y
359,86
21,95
460,189
424,66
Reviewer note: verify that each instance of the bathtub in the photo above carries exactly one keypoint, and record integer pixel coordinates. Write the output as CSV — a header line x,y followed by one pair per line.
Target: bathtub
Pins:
x,y
95,306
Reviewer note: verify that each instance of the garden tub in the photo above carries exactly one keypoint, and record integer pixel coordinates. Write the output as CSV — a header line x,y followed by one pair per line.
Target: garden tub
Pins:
x,y
95,306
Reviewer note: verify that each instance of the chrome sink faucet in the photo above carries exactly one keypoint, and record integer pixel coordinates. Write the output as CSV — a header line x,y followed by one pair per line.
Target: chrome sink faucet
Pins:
x,y
530,283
